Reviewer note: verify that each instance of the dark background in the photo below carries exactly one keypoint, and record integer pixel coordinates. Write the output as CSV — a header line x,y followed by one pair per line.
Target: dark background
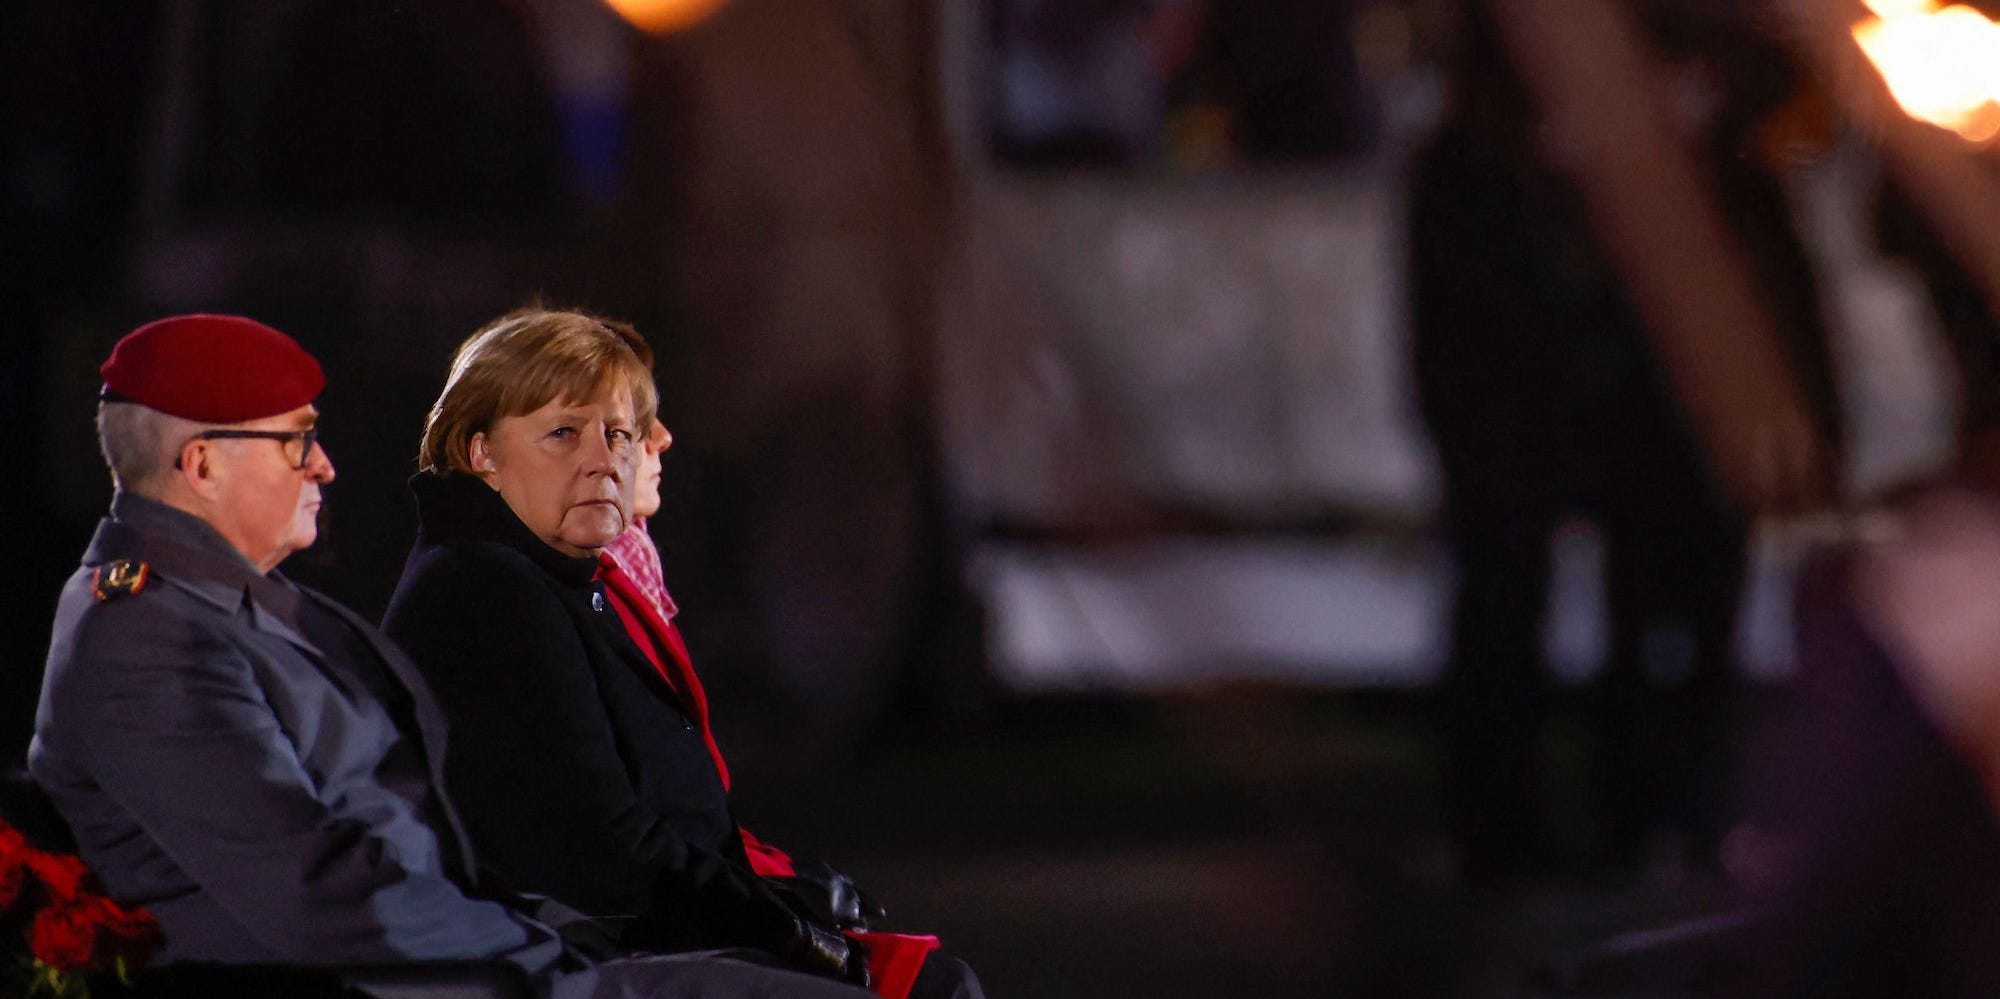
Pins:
x,y
796,201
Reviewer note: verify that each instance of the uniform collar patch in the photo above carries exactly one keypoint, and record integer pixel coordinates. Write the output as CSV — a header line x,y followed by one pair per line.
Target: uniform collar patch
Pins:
x,y
118,578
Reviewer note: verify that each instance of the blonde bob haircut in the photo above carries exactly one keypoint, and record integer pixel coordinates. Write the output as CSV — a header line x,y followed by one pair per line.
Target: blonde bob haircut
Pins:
x,y
519,363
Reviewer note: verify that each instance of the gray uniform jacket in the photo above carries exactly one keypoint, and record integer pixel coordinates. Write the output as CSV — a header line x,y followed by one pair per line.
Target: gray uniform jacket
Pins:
x,y
254,763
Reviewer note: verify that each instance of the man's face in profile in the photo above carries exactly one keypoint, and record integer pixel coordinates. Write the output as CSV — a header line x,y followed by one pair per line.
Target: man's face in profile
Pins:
x,y
269,506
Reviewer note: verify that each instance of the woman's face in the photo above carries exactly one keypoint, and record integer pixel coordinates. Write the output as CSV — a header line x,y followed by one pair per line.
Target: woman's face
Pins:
x,y
646,499
566,469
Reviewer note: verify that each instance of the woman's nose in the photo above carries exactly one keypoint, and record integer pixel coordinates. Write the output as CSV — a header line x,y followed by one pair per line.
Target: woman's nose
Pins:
x,y
599,457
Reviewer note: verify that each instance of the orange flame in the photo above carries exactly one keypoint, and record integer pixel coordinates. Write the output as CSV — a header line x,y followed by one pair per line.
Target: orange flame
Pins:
x,y
664,16
1941,64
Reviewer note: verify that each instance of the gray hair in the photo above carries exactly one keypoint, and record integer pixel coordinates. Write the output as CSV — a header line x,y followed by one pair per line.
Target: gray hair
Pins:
x,y
140,444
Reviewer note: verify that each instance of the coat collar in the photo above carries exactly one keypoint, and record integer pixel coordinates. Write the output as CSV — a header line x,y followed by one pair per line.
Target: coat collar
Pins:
x,y
186,550
458,507
194,553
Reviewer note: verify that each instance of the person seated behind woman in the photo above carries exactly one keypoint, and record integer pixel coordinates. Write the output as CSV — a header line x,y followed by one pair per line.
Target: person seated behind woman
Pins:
x,y
579,756
635,585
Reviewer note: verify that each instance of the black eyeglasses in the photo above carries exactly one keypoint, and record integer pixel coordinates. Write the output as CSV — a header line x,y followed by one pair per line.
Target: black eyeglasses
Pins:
x,y
298,444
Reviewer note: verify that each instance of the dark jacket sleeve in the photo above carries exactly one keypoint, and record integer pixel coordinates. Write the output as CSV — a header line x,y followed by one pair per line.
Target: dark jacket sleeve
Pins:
x,y
167,718
533,762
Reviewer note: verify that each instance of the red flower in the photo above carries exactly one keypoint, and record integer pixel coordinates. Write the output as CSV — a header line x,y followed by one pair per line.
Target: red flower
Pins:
x,y
75,931
61,873
12,843
130,934
64,937
14,853
13,877
91,933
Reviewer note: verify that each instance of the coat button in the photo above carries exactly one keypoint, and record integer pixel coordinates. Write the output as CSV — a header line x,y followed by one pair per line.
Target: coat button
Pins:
x,y
597,600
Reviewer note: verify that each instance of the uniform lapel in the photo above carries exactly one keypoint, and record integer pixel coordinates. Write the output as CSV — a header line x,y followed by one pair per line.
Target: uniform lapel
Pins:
x,y
430,718
272,620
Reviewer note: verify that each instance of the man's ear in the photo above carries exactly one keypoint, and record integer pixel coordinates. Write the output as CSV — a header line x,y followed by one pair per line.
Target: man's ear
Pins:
x,y
196,468
480,453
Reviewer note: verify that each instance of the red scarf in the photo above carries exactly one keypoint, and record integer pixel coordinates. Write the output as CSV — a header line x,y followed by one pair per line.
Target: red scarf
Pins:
x,y
649,627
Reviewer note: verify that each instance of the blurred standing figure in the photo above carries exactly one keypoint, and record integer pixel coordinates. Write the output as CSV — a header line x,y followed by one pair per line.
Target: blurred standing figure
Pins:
x,y
1546,404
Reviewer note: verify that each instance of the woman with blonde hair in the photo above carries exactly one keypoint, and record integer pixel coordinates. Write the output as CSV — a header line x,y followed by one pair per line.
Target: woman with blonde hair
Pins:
x,y
580,754
575,779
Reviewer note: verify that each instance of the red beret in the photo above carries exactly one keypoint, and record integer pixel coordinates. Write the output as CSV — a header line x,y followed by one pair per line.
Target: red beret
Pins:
x,y
211,369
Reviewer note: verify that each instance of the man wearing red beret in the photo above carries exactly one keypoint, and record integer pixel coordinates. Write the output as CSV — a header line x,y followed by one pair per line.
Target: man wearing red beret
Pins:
x,y
246,758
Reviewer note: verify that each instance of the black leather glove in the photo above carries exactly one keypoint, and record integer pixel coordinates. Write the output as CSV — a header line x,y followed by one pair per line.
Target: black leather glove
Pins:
x,y
828,896
823,952
710,902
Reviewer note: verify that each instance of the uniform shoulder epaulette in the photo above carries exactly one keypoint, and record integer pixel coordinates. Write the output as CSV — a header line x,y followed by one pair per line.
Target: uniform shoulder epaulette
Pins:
x,y
118,578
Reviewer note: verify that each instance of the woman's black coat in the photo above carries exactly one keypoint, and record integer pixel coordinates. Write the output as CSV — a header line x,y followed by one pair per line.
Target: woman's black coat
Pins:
x,y
575,773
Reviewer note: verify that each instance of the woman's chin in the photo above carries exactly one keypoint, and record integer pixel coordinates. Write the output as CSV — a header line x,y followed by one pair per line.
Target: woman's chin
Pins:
x,y
592,529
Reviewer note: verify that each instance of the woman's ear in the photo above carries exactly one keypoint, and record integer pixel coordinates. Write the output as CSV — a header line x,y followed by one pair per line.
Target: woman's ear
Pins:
x,y
480,453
